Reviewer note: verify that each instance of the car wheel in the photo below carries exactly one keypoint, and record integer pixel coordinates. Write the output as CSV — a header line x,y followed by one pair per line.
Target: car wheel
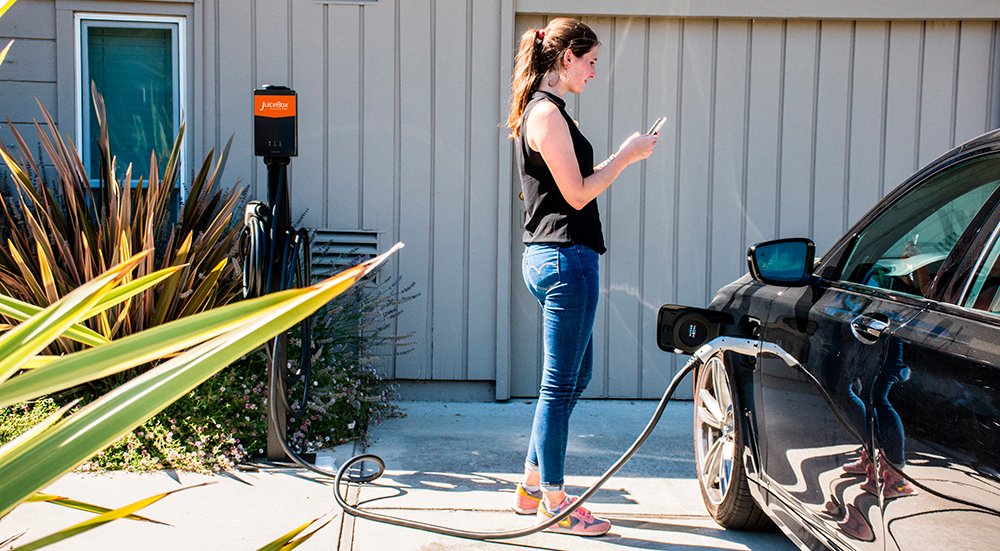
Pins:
x,y
718,440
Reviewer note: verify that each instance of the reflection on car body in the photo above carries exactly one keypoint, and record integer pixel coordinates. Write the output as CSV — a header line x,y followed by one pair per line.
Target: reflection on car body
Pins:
x,y
871,417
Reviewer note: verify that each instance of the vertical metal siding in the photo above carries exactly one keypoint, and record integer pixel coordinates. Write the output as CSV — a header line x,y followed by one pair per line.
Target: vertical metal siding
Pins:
x,y
866,107
232,40
485,139
417,179
525,342
399,132
380,146
309,75
775,128
902,98
449,223
797,103
663,60
624,215
344,125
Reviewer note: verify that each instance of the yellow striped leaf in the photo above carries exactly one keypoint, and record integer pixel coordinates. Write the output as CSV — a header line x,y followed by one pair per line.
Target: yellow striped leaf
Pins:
x,y
82,506
31,337
23,311
289,541
6,6
3,53
48,280
99,520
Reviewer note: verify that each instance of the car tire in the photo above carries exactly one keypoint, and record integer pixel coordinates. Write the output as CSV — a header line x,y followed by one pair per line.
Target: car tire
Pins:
x,y
718,439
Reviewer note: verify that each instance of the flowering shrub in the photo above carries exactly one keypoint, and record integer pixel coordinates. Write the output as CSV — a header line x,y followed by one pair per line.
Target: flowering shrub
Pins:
x,y
223,422
351,337
18,418
215,427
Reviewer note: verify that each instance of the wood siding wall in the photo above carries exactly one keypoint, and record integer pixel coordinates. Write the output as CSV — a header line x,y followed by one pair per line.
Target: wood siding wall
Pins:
x,y
30,69
399,133
775,128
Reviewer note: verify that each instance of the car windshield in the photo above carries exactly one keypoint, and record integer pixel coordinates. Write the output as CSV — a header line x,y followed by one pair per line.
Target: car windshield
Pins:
x,y
903,248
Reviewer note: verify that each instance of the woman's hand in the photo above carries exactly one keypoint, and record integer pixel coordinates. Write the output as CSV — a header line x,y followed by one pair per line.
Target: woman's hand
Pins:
x,y
637,147
548,133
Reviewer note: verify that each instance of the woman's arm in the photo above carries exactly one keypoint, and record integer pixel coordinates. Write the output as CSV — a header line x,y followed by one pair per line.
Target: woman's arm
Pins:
x,y
548,133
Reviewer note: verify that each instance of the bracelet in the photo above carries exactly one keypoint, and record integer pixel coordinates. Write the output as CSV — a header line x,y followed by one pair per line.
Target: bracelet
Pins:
x,y
606,162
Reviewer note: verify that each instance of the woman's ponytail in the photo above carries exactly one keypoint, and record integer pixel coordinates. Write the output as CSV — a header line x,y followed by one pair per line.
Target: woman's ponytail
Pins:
x,y
526,77
539,52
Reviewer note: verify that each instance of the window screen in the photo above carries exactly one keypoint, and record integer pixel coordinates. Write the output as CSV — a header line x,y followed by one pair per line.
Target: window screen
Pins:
x,y
134,65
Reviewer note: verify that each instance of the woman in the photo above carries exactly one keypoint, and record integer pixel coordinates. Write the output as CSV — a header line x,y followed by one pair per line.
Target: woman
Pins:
x,y
563,238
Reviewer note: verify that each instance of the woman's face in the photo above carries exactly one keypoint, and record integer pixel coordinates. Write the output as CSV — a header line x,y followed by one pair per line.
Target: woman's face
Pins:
x,y
581,69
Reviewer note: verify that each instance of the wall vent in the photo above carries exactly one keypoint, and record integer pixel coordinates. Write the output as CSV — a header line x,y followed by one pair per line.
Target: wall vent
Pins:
x,y
334,250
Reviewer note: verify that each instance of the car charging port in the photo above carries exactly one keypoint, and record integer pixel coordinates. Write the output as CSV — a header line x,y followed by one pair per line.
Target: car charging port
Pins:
x,y
685,329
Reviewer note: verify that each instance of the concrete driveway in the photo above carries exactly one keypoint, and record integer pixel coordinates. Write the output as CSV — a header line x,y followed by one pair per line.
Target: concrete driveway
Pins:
x,y
456,464
453,464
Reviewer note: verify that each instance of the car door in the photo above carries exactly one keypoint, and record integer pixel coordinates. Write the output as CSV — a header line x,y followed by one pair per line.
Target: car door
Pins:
x,y
817,416
821,460
939,424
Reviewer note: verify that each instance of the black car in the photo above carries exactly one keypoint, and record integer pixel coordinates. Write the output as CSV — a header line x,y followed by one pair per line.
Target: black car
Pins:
x,y
854,400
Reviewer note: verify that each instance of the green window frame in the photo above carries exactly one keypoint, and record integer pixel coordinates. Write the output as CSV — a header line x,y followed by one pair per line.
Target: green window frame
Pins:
x,y
137,63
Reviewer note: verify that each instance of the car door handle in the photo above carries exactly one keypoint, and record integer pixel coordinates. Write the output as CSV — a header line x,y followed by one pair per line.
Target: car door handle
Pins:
x,y
868,329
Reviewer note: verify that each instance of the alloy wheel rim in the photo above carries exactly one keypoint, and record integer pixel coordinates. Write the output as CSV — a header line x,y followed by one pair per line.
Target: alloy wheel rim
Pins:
x,y
715,430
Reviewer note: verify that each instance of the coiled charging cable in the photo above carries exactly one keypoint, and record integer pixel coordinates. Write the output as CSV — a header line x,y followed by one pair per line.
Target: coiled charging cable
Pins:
x,y
259,249
342,474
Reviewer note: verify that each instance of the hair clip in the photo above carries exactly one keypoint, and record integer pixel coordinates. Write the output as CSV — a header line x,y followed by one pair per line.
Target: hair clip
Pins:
x,y
539,35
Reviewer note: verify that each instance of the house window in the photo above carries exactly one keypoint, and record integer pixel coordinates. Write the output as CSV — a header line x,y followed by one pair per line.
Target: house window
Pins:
x,y
136,64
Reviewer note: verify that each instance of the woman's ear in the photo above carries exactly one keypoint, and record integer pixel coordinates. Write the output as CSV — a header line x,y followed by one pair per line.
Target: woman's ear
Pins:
x,y
567,56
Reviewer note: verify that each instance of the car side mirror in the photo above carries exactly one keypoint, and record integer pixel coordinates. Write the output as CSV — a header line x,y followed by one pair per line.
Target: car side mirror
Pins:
x,y
784,262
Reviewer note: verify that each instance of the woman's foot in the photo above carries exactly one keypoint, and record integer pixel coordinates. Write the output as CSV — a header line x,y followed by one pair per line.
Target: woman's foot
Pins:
x,y
580,522
870,484
525,501
859,465
894,485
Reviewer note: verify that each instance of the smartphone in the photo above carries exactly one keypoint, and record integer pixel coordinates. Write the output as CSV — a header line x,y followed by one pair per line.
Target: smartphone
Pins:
x,y
657,125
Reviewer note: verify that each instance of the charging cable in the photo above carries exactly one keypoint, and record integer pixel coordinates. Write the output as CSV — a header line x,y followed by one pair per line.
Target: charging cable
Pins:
x,y
344,473
259,248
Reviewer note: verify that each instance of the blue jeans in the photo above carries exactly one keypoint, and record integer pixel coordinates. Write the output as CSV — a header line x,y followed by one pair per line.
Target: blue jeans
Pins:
x,y
564,280
888,425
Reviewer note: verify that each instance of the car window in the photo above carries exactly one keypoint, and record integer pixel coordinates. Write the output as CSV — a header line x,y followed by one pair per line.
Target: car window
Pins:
x,y
903,248
984,287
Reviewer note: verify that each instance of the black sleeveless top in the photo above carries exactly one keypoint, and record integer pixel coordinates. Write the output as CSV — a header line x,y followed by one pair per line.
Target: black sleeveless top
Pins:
x,y
548,217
